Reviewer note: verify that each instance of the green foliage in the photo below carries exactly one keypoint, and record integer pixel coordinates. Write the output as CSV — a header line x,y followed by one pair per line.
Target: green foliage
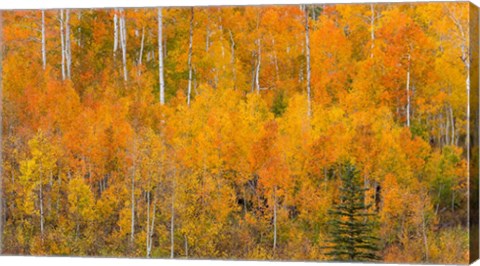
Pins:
x,y
352,227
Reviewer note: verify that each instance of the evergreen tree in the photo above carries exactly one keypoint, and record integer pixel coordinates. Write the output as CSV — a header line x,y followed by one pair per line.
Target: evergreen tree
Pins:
x,y
352,225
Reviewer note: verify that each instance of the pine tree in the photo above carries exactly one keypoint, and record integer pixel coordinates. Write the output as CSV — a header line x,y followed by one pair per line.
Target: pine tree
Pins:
x,y
352,225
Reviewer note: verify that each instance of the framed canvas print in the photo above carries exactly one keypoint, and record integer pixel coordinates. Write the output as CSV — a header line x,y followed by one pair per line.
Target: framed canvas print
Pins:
x,y
302,132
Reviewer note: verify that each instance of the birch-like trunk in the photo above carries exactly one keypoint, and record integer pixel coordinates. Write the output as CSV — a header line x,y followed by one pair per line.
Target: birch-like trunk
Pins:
x,y
140,56
41,209
190,46
186,245
123,43
232,60
408,91
307,55
424,233
115,32
44,52
132,225
160,57
172,218
150,227
452,122
257,69
259,56
274,219
68,48
62,41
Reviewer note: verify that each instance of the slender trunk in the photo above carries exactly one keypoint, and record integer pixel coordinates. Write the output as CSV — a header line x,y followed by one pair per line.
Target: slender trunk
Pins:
x,y
232,61
132,225
160,58
123,43
259,61
152,226
148,226
172,218
1,134
467,84
207,39
274,219
408,91
41,210
62,41
307,55
259,56
190,44
115,32
275,61
140,56
452,123
424,233
186,246
44,52
68,43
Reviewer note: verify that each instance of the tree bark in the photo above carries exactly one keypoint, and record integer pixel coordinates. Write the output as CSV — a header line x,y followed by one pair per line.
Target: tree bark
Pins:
x,y
274,220
41,209
62,41
115,32
140,56
160,57
190,45
132,225
172,218
307,55
123,43
425,240
68,43
44,52
257,70
232,61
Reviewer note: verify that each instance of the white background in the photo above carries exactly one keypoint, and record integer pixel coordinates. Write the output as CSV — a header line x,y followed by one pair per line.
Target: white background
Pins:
x,y
53,261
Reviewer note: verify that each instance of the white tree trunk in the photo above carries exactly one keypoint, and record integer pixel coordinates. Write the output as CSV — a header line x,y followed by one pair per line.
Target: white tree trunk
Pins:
x,y
140,56
123,43
307,52
132,225
259,61
234,71
44,52
160,57
274,219
190,46
41,209
115,32
62,41
172,218
424,233
452,122
68,43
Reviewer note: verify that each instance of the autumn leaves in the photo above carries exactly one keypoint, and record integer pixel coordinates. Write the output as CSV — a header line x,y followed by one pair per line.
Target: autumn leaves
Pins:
x,y
220,132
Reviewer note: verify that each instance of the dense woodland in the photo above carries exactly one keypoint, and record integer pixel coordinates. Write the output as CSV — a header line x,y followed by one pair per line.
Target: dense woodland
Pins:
x,y
221,132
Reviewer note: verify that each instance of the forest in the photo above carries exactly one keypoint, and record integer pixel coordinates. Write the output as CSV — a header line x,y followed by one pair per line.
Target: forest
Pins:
x,y
243,132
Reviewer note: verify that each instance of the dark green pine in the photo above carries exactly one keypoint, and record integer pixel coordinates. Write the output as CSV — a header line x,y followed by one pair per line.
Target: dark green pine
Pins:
x,y
352,226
